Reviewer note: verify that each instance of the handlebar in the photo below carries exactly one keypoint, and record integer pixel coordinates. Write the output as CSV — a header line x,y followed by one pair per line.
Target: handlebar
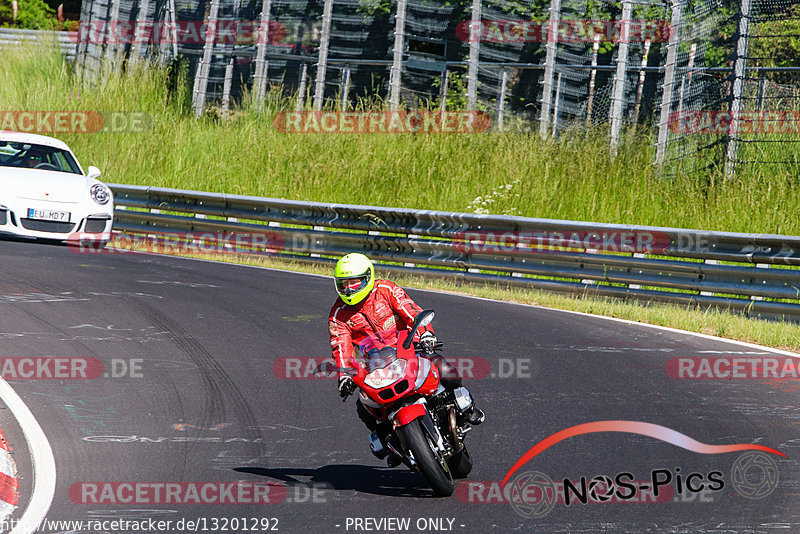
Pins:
x,y
437,345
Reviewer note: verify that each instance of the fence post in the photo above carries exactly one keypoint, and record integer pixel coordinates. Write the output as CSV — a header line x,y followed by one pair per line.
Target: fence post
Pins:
x,y
445,87
322,62
474,58
549,66
501,101
686,79
226,88
737,90
301,91
112,36
555,108
618,90
762,87
173,27
138,34
345,87
203,69
262,65
669,82
590,104
397,58
640,87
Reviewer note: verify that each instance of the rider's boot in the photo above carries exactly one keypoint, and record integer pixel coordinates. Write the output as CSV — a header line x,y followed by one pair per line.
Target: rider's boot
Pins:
x,y
377,444
466,406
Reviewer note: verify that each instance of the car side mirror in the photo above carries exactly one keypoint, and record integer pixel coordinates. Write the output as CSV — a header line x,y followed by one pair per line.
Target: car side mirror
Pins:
x,y
93,172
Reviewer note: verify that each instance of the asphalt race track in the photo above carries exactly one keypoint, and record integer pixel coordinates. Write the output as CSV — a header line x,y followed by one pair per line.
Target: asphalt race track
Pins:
x,y
190,393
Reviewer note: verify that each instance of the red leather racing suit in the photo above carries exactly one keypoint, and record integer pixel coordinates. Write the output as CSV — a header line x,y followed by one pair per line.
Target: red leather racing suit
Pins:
x,y
386,308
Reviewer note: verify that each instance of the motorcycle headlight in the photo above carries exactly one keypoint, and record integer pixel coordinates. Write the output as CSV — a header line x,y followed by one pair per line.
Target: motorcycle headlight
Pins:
x,y
380,378
100,194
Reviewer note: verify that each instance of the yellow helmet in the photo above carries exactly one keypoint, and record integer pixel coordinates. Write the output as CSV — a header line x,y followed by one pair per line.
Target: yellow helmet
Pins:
x,y
355,277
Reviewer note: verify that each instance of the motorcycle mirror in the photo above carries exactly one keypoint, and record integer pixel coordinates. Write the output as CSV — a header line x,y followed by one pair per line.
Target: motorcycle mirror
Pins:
x,y
423,319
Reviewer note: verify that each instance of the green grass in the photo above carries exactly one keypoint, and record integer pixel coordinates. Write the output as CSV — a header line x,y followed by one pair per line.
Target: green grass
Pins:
x,y
572,178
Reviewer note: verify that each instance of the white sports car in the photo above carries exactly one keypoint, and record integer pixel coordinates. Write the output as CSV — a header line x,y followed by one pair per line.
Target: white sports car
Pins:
x,y
45,194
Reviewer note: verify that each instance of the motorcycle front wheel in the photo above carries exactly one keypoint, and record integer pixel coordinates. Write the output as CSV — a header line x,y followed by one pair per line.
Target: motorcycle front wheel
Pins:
x,y
460,463
435,470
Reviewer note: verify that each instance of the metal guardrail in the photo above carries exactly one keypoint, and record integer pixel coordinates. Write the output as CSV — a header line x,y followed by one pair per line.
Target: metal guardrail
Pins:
x,y
10,37
752,273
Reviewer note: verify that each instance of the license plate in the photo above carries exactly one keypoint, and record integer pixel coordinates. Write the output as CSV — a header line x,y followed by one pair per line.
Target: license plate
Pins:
x,y
48,215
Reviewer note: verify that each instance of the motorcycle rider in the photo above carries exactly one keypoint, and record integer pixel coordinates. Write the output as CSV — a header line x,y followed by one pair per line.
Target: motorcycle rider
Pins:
x,y
365,308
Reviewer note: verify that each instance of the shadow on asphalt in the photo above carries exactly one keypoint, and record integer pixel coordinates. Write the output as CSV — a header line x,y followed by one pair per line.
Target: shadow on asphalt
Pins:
x,y
399,482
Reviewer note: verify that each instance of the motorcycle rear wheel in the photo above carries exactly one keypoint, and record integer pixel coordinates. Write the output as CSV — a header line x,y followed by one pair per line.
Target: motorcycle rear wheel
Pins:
x,y
435,472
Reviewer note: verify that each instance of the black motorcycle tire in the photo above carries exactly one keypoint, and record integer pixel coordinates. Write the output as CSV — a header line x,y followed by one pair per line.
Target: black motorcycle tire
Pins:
x,y
437,475
460,463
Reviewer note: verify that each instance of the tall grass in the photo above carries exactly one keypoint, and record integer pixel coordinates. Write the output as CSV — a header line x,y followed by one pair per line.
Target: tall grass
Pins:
x,y
573,177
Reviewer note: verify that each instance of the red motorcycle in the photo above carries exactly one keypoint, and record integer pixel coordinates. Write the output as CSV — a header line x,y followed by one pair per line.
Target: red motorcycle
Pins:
x,y
401,386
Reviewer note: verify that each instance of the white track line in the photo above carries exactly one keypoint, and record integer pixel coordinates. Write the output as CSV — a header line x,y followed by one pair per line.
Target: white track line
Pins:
x,y
42,460
624,321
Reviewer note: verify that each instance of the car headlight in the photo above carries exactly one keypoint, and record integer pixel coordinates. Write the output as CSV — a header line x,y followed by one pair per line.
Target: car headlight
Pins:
x,y
380,378
100,194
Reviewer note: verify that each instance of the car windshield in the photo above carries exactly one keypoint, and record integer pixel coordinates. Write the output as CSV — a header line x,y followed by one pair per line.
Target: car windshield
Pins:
x,y
30,156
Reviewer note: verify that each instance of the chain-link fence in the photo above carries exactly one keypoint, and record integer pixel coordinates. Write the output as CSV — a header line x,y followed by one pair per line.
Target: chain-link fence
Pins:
x,y
697,75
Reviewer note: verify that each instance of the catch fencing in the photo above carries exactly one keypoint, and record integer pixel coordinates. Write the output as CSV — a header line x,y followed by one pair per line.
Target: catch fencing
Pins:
x,y
713,84
755,274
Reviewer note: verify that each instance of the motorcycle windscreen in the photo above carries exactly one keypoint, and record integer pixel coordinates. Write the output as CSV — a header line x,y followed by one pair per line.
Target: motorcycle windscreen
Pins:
x,y
376,351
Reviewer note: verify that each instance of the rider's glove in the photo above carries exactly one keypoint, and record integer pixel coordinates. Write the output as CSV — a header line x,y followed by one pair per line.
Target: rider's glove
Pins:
x,y
346,386
427,341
